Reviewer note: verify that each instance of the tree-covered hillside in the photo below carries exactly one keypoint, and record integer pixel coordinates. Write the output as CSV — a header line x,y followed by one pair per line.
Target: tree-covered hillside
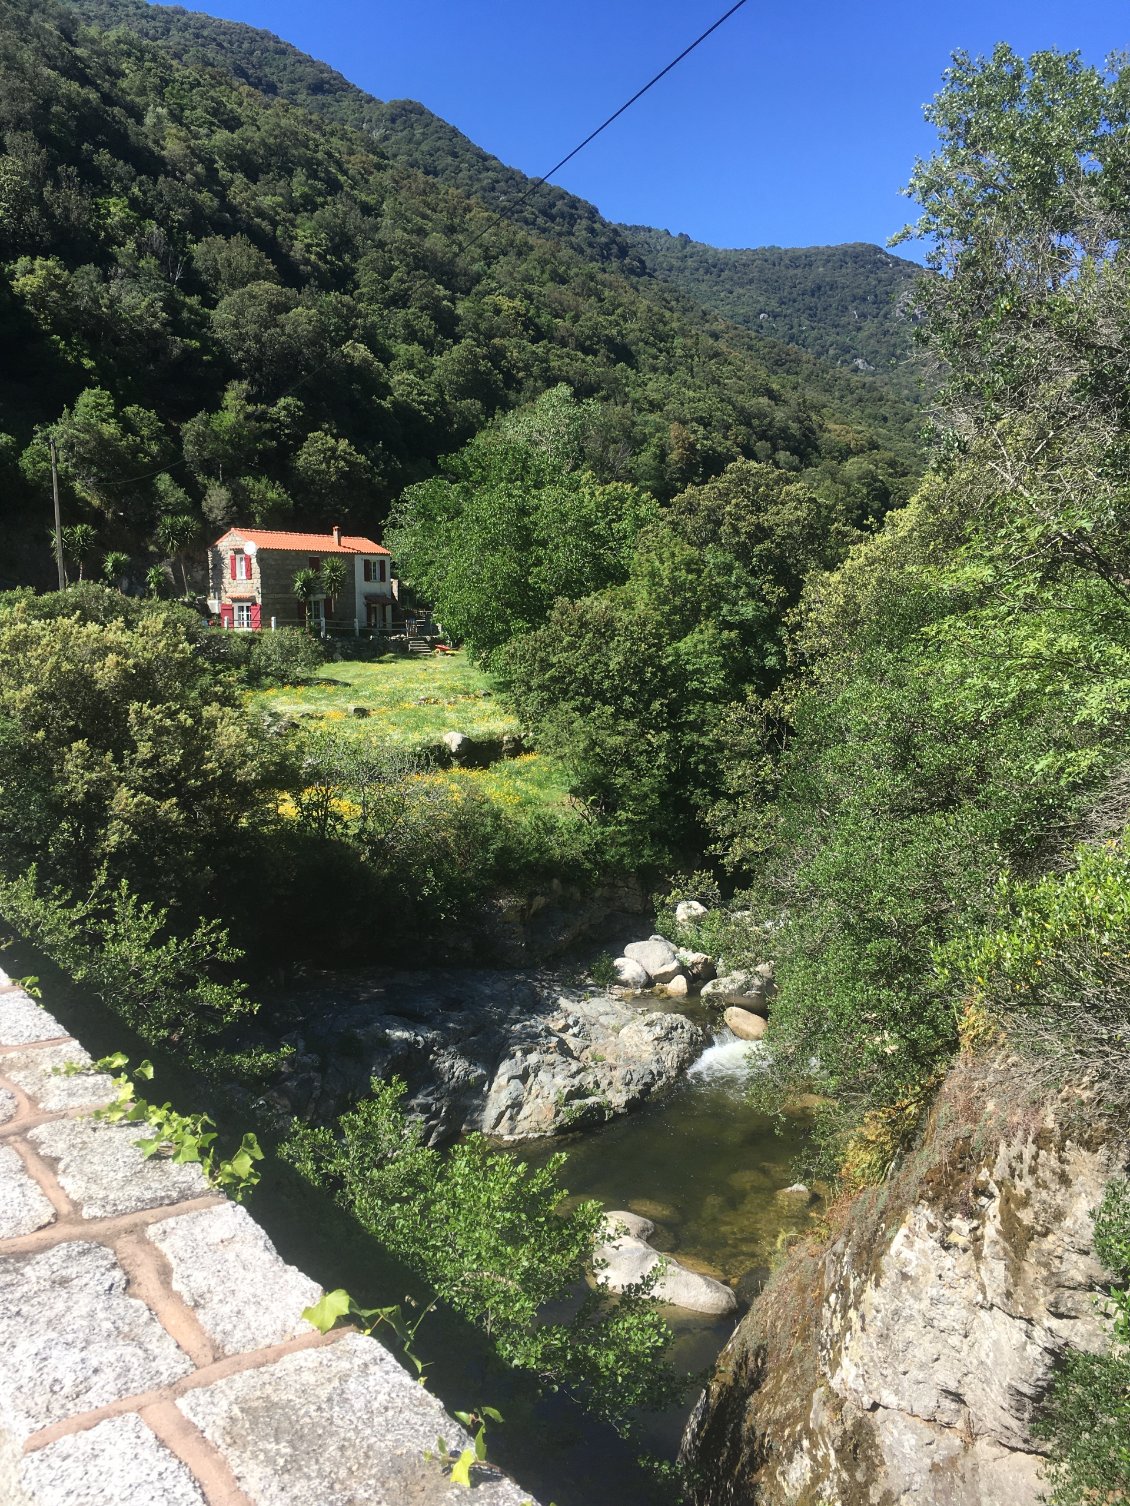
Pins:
x,y
228,309
843,304
851,305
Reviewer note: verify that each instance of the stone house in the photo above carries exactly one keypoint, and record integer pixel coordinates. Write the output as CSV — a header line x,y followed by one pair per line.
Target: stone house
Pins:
x,y
251,581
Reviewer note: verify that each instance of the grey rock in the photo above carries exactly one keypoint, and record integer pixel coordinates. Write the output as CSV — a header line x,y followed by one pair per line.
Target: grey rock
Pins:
x,y
511,1054
623,1257
657,957
741,987
24,1207
698,967
118,1462
677,987
458,745
631,974
101,1169
229,1273
23,1021
687,911
72,1339
618,1221
938,1330
746,1025
40,1074
272,1427
7,1106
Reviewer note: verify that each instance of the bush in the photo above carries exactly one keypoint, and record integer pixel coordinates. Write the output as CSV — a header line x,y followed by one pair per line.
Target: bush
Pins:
x,y
163,984
285,656
491,1236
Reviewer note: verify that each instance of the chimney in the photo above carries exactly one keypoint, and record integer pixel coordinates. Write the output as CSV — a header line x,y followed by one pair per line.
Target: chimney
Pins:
x,y
337,534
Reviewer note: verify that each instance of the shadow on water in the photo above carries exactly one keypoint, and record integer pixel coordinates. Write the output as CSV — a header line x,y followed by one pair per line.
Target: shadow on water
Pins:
x,y
548,1444
711,1173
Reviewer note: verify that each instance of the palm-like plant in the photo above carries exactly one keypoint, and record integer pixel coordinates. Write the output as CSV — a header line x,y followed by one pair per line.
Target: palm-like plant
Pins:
x,y
333,578
306,585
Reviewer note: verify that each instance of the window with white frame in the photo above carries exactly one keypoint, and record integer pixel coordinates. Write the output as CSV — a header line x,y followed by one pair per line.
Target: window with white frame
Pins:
x,y
243,614
242,565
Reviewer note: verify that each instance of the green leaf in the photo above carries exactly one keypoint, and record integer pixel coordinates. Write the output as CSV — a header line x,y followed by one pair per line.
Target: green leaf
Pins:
x,y
461,1469
332,1307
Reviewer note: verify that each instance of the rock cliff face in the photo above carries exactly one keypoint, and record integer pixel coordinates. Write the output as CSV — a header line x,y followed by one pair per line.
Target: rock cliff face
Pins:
x,y
906,1361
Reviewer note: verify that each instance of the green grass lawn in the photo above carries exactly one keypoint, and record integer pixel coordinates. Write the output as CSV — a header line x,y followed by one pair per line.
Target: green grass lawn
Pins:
x,y
412,702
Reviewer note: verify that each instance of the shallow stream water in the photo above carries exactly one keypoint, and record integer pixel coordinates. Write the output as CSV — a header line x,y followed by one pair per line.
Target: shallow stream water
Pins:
x,y
711,1172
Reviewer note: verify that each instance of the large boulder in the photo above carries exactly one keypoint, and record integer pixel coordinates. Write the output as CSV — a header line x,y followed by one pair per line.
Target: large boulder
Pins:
x,y
657,956
687,911
632,974
506,1052
749,988
698,967
745,1025
623,1257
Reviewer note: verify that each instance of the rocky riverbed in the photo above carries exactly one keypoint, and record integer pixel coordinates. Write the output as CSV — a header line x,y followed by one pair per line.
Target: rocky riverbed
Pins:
x,y
514,1054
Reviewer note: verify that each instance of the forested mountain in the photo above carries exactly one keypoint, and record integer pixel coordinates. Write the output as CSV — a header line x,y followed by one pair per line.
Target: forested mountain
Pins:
x,y
850,305
226,308
844,304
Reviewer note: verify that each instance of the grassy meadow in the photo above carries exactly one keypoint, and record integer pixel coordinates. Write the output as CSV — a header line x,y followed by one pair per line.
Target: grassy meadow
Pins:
x,y
412,702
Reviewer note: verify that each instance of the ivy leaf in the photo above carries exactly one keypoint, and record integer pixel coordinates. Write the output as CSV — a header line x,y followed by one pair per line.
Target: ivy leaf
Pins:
x,y
461,1469
324,1314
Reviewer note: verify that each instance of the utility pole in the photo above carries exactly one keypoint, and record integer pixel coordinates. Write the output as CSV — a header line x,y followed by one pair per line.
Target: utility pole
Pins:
x,y
58,514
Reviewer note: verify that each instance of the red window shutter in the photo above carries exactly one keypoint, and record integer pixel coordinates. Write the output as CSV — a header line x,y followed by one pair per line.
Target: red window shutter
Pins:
x,y
382,569
256,616
233,575
227,614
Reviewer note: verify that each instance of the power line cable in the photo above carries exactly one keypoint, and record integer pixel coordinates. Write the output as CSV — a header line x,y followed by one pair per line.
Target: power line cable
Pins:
x,y
517,204
627,105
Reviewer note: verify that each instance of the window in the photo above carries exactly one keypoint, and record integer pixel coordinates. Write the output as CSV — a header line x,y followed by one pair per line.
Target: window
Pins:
x,y
240,566
243,614
315,562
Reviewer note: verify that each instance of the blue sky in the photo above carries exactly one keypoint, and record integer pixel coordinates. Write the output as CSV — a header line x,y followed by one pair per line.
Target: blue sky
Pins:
x,y
790,126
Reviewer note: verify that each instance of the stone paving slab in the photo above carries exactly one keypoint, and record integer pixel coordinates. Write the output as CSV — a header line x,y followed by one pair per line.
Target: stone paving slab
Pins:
x,y
101,1169
72,1339
22,1020
117,1463
40,1074
224,1266
343,1425
24,1207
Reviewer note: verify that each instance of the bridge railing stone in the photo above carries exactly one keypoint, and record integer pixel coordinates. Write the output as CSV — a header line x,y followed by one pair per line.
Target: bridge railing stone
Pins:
x,y
152,1348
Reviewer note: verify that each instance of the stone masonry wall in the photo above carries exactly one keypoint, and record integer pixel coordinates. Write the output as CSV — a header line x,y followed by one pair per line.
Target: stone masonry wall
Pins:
x,y
152,1350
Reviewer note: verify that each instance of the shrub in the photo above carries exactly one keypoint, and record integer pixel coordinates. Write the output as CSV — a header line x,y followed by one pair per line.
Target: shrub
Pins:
x,y
491,1236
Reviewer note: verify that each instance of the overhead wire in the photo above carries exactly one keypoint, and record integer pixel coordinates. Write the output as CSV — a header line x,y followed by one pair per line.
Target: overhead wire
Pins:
x,y
503,214
627,105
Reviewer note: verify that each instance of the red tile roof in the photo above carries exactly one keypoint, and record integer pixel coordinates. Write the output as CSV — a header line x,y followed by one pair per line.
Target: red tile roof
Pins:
x,y
302,543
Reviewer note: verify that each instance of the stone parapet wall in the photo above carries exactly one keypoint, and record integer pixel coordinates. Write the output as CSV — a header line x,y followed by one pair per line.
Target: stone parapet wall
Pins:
x,y
152,1349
